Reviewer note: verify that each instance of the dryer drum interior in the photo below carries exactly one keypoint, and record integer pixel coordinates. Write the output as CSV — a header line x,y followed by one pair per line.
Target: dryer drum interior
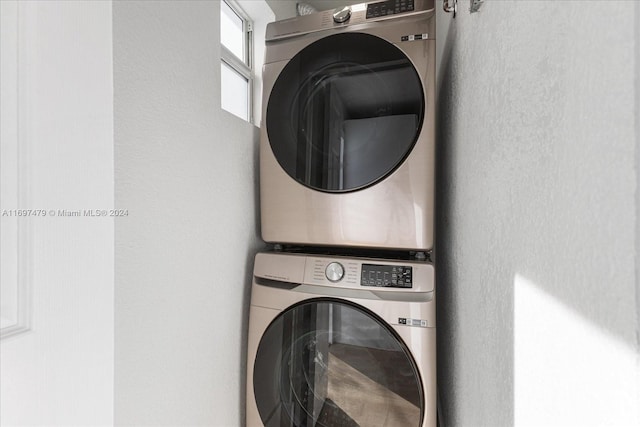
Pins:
x,y
345,112
327,362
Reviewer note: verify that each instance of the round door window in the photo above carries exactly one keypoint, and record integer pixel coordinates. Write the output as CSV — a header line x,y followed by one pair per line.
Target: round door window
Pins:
x,y
345,112
331,363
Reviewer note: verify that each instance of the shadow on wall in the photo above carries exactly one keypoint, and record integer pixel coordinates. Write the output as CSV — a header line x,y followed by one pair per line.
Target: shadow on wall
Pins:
x,y
248,276
445,348
474,360
446,354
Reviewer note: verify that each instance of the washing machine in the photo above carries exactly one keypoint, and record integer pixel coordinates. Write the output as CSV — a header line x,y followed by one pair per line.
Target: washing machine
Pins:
x,y
348,137
339,341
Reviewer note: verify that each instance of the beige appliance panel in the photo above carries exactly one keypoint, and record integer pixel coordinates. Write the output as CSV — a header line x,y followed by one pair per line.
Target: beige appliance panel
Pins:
x,y
301,283
394,212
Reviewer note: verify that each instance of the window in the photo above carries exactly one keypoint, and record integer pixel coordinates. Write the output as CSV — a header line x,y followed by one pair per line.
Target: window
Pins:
x,y
236,60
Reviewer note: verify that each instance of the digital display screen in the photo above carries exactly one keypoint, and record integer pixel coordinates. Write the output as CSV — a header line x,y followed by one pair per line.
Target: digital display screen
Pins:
x,y
389,7
386,276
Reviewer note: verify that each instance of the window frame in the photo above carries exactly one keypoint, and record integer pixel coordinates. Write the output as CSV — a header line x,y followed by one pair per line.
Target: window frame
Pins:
x,y
242,66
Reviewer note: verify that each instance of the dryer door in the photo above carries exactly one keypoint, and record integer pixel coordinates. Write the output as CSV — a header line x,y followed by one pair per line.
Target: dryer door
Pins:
x,y
344,112
330,363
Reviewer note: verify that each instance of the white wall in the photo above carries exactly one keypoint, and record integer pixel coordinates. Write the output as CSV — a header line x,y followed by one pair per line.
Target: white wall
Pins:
x,y
283,9
60,372
538,214
187,173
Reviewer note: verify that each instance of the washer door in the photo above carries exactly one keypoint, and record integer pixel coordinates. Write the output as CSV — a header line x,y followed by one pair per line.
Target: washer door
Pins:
x,y
345,112
330,363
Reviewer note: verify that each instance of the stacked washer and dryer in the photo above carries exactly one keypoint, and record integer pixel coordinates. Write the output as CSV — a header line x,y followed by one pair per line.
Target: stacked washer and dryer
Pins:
x,y
342,328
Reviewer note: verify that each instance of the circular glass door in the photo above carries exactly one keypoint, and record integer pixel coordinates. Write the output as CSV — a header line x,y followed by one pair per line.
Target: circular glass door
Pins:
x,y
345,112
331,363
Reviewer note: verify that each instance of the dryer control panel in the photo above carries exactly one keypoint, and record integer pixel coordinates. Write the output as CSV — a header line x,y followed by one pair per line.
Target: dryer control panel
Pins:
x,y
364,13
386,276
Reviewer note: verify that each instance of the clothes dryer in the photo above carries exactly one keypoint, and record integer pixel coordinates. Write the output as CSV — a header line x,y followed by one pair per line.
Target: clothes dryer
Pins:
x,y
341,341
348,132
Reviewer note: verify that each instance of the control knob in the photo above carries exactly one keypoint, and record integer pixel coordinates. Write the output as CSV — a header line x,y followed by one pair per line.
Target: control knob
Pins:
x,y
342,14
334,272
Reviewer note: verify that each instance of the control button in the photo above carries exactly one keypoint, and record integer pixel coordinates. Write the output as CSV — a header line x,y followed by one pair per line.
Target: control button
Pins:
x,y
342,14
334,272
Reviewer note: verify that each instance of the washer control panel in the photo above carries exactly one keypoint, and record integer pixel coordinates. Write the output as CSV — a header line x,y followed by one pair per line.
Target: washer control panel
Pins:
x,y
370,274
386,276
388,7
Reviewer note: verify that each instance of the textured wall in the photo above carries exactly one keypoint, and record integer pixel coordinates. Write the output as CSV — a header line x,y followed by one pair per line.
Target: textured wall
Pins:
x,y
186,171
538,214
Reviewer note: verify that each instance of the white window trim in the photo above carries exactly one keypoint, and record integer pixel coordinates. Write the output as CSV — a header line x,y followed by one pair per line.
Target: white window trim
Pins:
x,y
243,66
